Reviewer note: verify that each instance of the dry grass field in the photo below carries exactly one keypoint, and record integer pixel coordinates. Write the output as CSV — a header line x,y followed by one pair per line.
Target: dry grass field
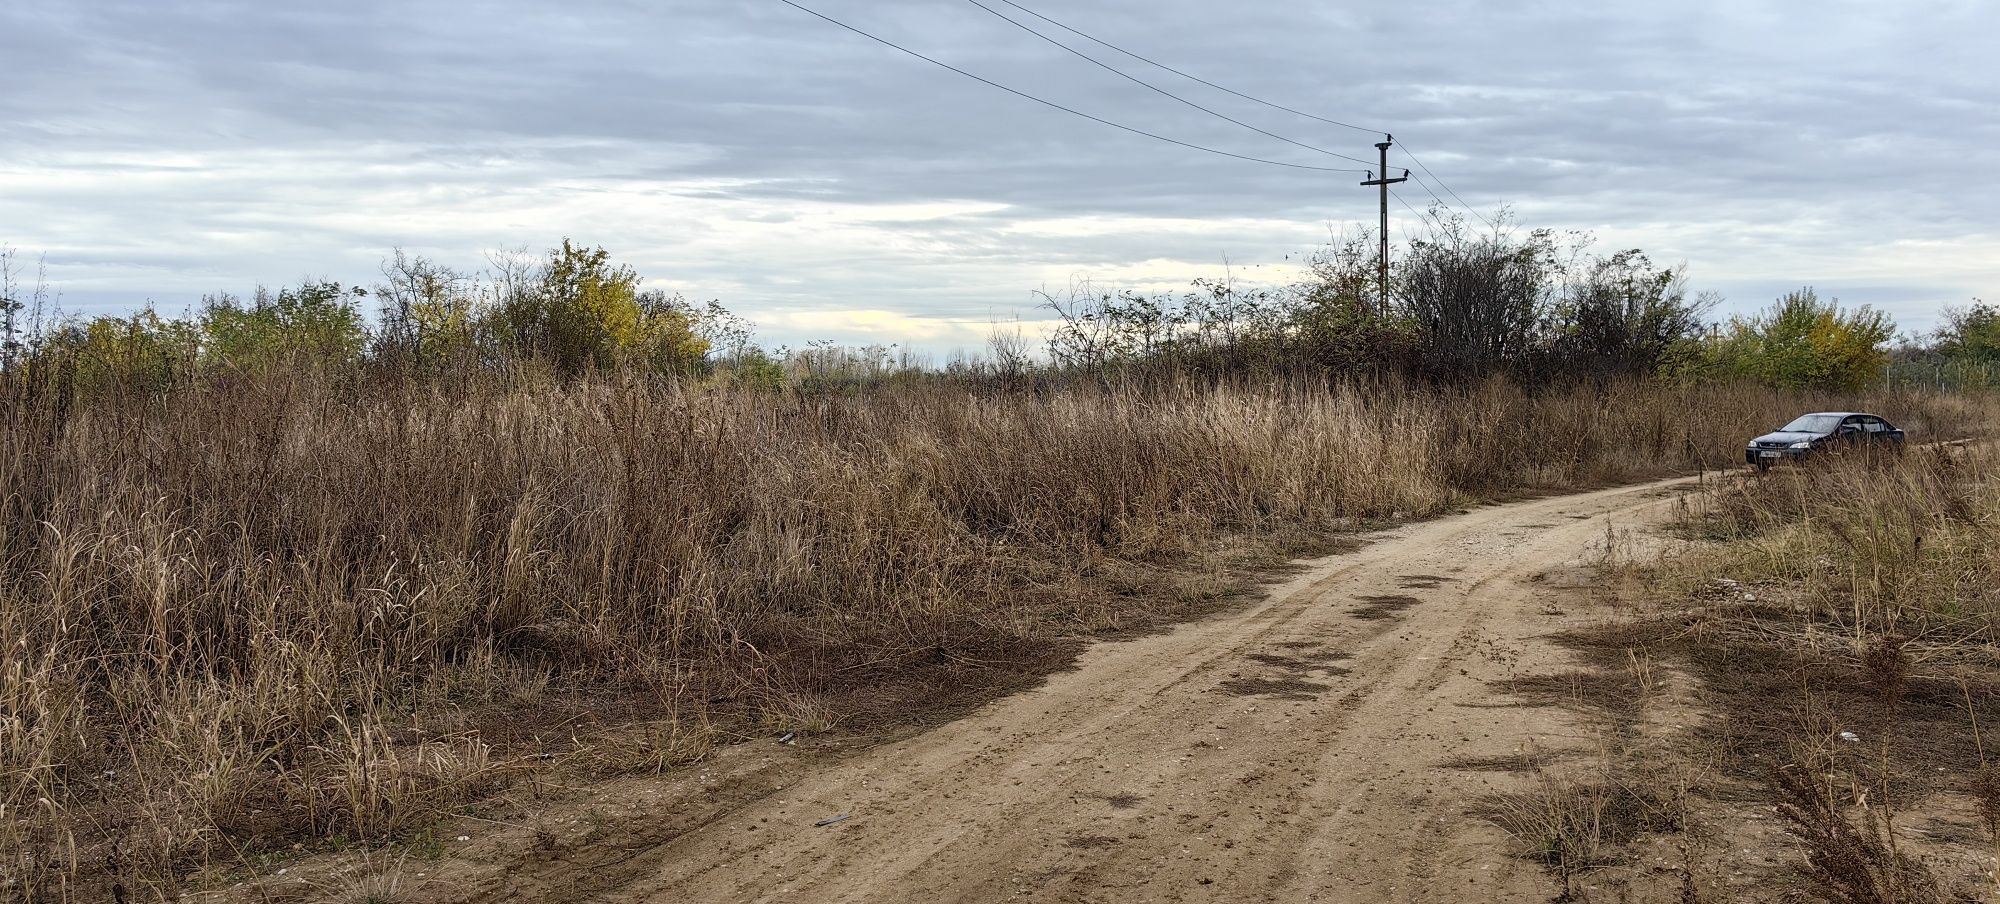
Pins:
x,y
260,615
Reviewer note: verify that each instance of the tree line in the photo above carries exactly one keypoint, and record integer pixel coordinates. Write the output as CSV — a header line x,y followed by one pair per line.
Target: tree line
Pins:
x,y
565,312
1534,305
1462,305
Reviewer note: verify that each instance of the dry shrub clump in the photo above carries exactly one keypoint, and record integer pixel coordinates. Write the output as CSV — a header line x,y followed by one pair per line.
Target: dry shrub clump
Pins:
x,y
1575,822
268,609
1851,851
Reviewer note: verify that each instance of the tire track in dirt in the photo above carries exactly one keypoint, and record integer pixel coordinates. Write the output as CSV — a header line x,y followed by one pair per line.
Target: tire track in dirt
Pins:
x,y
1295,751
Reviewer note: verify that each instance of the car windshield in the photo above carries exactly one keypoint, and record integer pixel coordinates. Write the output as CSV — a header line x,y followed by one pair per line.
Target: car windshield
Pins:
x,y
1813,423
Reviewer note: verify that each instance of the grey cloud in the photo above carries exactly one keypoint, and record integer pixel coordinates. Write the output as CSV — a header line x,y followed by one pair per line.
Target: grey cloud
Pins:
x,y
1740,135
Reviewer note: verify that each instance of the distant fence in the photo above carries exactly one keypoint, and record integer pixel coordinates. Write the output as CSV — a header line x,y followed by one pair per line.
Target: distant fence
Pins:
x,y
1943,374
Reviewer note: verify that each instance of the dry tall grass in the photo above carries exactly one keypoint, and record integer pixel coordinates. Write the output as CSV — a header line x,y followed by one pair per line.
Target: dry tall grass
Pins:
x,y
1904,547
1846,619
263,611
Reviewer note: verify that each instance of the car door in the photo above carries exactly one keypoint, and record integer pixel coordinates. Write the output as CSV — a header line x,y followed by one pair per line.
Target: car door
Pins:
x,y
1851,430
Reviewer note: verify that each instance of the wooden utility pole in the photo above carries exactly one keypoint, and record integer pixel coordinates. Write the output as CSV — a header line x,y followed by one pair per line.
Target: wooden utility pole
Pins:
x,y
1385,182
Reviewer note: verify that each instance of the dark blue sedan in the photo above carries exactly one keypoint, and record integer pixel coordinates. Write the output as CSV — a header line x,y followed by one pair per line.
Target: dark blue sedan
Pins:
x,y
1825,431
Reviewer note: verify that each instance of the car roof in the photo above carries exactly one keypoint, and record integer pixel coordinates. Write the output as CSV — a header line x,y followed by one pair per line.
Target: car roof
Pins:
x,y
1835,413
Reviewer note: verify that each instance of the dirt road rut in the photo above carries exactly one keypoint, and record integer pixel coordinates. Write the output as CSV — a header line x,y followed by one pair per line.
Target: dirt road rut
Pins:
x,y
1324,745
1331,743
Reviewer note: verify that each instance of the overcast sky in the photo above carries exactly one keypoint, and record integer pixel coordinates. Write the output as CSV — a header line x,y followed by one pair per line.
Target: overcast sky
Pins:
x,y
829,187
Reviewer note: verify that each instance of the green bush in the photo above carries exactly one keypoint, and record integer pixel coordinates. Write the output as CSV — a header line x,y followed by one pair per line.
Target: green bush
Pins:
x,y
1801,342
583,312
1971,334
143,352
316,323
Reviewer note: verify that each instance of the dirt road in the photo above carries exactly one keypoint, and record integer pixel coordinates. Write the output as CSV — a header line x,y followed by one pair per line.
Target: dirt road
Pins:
x,y
1324,745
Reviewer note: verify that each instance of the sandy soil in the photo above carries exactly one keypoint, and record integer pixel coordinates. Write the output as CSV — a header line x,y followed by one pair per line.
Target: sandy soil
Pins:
x,y
1298,751
1324,744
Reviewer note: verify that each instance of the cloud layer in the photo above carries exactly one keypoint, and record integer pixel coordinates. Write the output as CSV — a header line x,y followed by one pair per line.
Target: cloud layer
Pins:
x,y
827,186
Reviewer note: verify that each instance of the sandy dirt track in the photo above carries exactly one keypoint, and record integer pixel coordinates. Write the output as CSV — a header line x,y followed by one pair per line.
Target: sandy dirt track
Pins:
x,y
1322,745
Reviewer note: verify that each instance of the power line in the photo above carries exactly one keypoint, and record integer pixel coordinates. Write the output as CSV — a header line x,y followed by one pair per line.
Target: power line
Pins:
x,y
1253,99
1410,234
1149,62
1428,219
1052,104
1428,190
1427,171
1155,88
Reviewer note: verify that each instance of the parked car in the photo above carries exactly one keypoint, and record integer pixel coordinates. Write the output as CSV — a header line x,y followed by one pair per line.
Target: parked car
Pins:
x,y
1821,432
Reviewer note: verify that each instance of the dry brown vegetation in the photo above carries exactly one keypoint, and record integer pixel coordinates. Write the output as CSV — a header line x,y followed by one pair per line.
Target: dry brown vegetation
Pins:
x,y
267,610
1843,623
1884,619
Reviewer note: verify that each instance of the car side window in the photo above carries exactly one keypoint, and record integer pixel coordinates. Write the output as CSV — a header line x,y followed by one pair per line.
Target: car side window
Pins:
x,y
1874,425
1850,425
